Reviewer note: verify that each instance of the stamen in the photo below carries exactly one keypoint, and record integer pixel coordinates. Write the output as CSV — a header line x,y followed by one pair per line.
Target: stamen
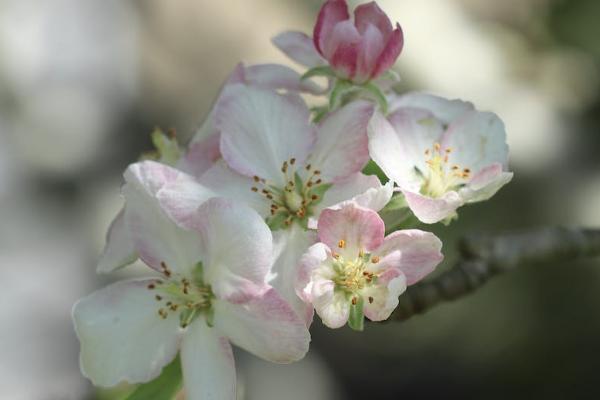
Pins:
x,y
151,286
292,161
342,244
375,259
158,297
354,301
370,300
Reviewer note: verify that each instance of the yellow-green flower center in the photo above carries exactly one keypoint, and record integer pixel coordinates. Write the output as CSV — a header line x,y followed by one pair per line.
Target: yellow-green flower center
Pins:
x,y
441,176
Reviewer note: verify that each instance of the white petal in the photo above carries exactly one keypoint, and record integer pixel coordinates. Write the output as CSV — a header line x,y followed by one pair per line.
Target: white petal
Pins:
x,y
276,76
332,306
201,155
299,47
207,363
227,183
398,145
443,109
477,139
384,298
342,146
266,327
237,248
430,210
122,336
261,129
119,250
290,245
157,238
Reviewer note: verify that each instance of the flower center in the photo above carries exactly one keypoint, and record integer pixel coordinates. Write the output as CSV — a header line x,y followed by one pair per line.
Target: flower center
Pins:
x,y
295,201
189,299
441,176
352,275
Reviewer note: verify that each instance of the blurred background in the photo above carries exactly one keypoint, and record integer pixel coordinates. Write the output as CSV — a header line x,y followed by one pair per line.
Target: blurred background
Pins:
x,y
83,83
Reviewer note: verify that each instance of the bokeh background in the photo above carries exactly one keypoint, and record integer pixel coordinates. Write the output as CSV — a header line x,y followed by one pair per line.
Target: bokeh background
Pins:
x,y
83,83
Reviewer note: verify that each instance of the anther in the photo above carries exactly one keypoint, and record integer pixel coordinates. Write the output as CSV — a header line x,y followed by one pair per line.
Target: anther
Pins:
x,y
437,146
254,189
370,300
151,286
284,167
427,152
158,297
342,243
292,161
256,178
317,172
174,307
308,167
318,181
354,301
375,259
314,197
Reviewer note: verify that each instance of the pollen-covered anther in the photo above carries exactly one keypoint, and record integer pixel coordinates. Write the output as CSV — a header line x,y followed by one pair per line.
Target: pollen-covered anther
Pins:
x,y
163,313
354,301
165,269
375,259
371,299
342,244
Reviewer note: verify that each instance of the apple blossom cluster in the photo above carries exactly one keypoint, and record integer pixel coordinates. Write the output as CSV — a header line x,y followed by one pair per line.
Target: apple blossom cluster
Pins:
x,y
266,216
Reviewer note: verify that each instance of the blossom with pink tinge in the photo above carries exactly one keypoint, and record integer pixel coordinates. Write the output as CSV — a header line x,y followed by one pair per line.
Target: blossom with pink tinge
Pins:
x,y
441,153
358,50
354,266
210,291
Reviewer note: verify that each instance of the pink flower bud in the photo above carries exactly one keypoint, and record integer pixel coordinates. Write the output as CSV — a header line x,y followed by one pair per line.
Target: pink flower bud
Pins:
x,y
358,50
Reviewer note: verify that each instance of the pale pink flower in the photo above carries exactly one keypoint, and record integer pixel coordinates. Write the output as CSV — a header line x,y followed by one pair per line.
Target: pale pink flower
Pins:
x,y
354,270
286,168
211,291
442,154
203,151
358,50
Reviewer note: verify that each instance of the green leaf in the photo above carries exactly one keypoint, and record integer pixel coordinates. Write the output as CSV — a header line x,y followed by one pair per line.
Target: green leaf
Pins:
x,y
323,70
356,320
165,387
373,169
378,95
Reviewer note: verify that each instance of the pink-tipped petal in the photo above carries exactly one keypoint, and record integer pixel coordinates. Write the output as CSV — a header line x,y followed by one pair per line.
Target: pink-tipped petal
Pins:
x,y
119,250
414,252
201,155
261,129
266,327
390,53
207,363
370,14
342,49
123,339
430,210
157,238
236,247
275,76
342,146
350,229
485,183
331,13
299,47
